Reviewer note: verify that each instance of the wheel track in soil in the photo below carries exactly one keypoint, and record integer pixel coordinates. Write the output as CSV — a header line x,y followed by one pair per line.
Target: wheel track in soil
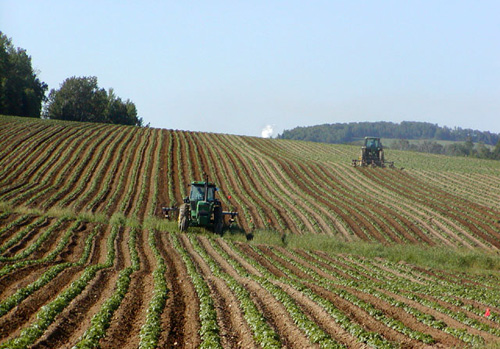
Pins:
x,y
180,320
74,320
274,312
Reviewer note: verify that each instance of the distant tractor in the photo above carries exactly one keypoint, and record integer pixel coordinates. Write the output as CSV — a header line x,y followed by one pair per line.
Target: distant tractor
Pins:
x,y
372,154
201,208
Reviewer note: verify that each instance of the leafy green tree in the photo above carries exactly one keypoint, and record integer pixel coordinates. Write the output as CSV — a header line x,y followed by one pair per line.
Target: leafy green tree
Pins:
x,y
21,91
81,99
120,112
78,99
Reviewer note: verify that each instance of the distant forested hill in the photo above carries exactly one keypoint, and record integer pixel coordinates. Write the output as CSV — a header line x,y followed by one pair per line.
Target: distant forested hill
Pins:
x,y
349,132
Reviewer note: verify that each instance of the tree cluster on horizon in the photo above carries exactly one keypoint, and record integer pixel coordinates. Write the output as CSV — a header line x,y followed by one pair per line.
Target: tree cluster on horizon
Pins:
x,y
341,133
22,93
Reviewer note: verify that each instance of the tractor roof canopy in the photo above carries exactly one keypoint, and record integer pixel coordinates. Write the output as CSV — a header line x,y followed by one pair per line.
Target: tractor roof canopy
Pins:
x,y
373,142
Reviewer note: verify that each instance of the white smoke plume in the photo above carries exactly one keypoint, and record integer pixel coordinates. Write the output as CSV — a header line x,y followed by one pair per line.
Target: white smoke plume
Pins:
x,y
267,132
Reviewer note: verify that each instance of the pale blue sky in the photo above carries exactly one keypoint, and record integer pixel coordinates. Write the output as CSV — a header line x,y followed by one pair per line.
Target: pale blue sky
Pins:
x,y
237,66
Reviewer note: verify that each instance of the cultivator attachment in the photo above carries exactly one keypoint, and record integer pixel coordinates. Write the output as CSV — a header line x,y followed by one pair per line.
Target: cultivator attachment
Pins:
x,y
169,211
373,163
232,214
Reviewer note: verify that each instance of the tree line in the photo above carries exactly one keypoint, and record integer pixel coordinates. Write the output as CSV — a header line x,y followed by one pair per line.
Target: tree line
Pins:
x,y
22,93
467,148
467,142
340,133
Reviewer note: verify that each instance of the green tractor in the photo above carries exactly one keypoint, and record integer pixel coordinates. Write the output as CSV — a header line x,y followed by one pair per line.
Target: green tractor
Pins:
x,y
372,154
201,208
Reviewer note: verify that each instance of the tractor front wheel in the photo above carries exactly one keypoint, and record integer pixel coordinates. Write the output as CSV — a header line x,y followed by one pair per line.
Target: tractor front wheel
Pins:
x,y
183,217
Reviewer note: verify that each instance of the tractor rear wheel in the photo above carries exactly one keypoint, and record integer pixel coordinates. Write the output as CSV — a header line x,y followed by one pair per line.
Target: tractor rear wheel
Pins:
x,y
218,222
183,217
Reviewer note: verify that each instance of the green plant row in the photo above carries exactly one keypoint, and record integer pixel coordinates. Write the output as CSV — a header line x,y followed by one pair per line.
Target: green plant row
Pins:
x,y
363,336
262,332
48,312
209,330
55,178
24,292
43,163
76,180
448,292
21,220
151,330
25,153
376,313
22,233
133,143
101,321
36,244
94,173
250,176
223,179
368,286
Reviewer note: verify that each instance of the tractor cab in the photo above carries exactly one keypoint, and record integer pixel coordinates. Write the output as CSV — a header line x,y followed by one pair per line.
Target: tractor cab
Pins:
x,y
372,143
199,190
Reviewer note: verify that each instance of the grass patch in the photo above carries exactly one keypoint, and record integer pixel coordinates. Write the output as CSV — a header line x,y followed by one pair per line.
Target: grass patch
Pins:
x,y
440,257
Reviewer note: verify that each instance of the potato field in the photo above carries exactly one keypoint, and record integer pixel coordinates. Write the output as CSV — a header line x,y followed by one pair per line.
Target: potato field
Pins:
x,y
87,259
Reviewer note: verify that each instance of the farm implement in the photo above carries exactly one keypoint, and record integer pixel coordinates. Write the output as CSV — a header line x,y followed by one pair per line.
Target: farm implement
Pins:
x,y
201,208
372,154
